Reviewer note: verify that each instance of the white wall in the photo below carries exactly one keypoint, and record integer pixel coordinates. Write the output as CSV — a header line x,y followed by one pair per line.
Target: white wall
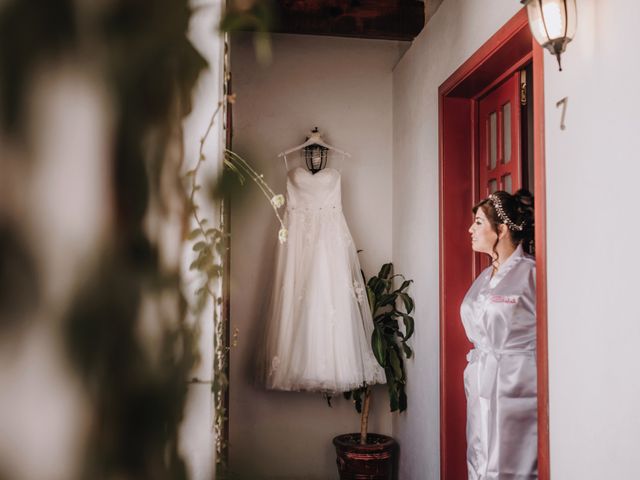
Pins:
x,y
592,180
344,87
592,169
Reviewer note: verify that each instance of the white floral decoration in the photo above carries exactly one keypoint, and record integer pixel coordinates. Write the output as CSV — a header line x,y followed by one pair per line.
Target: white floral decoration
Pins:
x,y
282,235
277,200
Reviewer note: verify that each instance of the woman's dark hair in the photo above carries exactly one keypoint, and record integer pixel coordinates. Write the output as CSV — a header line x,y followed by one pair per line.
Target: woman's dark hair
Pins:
x,y
518,209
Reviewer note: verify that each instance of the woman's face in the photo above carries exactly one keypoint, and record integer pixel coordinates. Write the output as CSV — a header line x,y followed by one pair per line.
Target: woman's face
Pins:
x,y
483,238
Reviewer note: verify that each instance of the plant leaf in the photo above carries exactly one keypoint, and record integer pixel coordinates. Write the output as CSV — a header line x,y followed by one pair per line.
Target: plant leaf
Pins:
x,y
393,396
396,363
378,346
214,270
402,399
199,246
385,270
387,299
379,319
193,234
404,285
377,286
408,302
409,325
407,350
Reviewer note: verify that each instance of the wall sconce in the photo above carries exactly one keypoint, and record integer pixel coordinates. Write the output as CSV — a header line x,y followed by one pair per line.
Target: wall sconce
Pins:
x,y
553,23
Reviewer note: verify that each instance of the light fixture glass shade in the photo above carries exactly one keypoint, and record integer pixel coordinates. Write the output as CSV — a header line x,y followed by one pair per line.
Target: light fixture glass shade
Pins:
x,y
553,23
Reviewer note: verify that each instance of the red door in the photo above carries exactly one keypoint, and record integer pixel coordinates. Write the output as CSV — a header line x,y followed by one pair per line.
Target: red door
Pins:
x,y
481,151
499,162
499,166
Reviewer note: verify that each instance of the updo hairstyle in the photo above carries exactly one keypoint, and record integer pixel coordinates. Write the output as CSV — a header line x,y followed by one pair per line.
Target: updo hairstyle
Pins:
x,y
518,210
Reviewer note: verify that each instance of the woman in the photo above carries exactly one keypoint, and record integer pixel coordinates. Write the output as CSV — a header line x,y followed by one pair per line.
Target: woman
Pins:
x,y
499,317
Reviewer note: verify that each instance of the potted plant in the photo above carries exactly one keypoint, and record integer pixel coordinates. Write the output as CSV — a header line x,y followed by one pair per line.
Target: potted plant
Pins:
x,y
368,455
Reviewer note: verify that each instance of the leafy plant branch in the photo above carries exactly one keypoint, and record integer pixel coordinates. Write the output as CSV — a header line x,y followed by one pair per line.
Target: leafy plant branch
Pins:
x,y
388,341
209,245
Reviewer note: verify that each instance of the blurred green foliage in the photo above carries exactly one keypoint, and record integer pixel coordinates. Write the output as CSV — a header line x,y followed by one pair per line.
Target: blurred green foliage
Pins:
x,y
257,16
30,33
141,50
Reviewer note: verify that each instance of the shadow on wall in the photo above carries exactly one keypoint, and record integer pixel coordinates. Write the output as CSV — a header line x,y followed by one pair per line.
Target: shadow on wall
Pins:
x,y
430,8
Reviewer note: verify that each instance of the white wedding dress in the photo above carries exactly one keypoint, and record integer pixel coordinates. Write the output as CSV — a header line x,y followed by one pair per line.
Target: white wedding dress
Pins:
x,y
318,335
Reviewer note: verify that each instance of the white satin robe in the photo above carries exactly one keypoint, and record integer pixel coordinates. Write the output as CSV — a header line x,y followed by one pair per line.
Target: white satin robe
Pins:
x,y
499,317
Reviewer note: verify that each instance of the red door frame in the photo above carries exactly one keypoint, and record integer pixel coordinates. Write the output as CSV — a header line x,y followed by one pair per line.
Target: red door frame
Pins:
x,y
509,48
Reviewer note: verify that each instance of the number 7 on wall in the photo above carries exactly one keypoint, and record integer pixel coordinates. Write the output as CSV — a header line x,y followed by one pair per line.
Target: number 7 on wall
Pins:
x,y
564,103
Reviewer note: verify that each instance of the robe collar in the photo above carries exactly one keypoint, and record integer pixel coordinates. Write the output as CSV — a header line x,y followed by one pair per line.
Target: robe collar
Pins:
x,y
513,259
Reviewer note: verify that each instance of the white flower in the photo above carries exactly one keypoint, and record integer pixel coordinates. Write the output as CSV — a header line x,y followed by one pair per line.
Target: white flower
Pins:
x,y
282,235
277,200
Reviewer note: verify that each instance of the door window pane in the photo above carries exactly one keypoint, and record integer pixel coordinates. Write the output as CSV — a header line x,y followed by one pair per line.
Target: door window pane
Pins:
x,y
493,185
506,183
493,140
506,132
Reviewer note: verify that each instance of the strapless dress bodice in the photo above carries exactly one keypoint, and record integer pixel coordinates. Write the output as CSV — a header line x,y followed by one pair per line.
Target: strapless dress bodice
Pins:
x,y
306,190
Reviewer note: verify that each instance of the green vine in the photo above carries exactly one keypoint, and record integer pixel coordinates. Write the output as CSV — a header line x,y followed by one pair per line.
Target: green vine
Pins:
x,y
210,244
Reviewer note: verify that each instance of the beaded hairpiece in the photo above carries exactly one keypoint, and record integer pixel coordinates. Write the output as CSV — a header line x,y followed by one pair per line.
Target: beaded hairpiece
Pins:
x,y
497,204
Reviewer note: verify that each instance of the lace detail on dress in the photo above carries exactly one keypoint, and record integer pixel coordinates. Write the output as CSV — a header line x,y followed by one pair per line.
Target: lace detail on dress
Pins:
x,y
358,290
275,363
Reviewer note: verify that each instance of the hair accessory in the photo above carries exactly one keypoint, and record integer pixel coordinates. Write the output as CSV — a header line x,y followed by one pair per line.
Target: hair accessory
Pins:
x,y
497,204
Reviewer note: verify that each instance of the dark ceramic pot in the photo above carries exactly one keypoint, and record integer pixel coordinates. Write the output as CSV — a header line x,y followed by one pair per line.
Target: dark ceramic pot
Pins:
x,y
376,460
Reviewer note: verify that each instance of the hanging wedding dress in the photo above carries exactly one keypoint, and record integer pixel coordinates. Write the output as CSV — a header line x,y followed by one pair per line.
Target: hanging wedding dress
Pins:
x,y
318,336
499,317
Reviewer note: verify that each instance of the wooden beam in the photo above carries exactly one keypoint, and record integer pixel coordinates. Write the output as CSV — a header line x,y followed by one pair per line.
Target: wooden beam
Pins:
x,y
373,19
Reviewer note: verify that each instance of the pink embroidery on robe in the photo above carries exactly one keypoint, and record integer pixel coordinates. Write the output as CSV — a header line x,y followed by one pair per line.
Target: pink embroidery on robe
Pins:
x,y
504,299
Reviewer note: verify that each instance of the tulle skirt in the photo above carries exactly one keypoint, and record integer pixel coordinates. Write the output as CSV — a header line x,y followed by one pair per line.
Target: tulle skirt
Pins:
x,y
318,332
